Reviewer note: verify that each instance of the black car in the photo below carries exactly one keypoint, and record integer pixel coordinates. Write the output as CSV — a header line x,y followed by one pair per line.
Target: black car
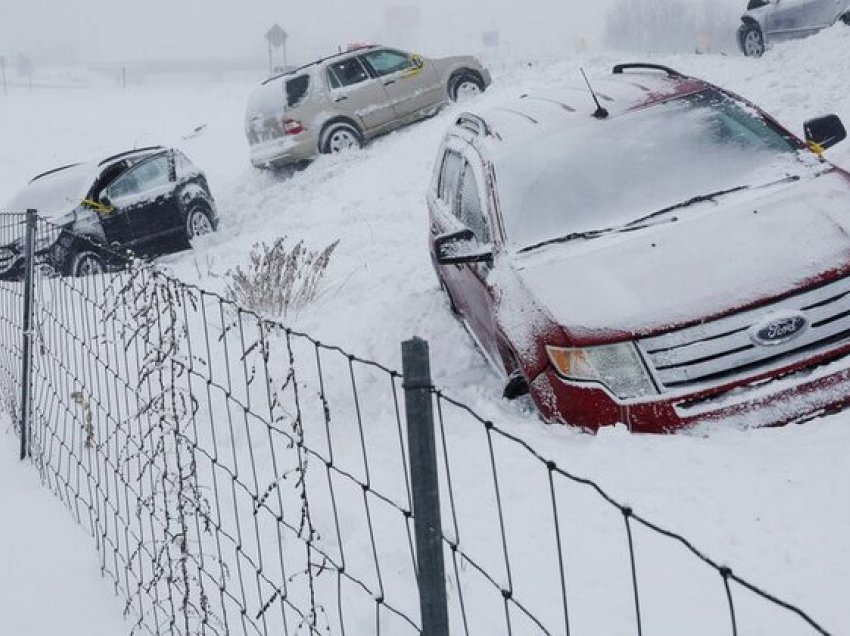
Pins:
x,y
147,201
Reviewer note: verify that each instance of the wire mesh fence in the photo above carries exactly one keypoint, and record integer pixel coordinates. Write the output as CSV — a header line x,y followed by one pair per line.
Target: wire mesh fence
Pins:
x,y
240,477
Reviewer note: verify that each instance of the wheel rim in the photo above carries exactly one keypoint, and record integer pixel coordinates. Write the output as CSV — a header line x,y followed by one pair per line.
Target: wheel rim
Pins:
x,y
753,44
342,140
467,89
199,224
89,266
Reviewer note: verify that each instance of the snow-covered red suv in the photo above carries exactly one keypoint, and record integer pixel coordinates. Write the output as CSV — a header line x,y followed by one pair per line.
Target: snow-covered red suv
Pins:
x,y
672,257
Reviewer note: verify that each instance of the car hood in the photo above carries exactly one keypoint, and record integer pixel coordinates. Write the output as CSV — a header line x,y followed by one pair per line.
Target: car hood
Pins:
x,y
718,258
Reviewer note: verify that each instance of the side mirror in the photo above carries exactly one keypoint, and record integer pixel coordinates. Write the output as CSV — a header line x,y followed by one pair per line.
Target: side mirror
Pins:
x,y
824,132
458,248
757,4
417,60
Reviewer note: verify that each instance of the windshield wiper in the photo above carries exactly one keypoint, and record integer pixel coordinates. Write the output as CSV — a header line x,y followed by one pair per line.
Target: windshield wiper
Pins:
x,y
641,222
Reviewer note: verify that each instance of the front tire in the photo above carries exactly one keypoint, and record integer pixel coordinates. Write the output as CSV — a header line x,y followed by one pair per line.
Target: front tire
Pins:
x,y
340,137
85,263
752,41
465,86
198,223
846,18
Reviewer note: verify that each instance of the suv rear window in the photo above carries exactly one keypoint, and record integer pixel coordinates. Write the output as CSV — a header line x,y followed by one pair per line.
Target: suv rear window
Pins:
x,y
296,90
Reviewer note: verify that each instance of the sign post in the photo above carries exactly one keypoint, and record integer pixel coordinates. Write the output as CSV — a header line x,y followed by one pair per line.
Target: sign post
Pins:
x,y
3,75
276,37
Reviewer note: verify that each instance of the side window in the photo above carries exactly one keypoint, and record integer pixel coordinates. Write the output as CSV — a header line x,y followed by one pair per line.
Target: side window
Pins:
x,y
347,73
450,179
147,176
471,210
387,62
296,90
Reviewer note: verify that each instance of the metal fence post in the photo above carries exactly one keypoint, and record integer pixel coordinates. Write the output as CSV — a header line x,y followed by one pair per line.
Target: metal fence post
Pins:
x,y
26,361
426,488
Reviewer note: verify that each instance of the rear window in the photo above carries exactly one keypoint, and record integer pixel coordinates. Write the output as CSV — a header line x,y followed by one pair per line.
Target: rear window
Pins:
x,y
296,90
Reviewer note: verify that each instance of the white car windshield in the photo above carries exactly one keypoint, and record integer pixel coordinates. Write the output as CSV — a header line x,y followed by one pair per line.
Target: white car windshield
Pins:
x,y
611,172
57,193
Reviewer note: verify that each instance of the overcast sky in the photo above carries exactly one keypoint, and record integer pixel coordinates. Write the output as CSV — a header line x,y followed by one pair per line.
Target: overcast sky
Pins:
x,y
123,30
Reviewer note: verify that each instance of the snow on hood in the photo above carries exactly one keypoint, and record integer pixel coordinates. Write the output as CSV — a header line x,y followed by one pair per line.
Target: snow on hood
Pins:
x,y
718,257
55,195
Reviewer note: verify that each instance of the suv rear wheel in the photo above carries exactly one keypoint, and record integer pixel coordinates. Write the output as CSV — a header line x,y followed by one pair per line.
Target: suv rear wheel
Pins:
x,y
198,222
465,86
340,137
846,18
752,41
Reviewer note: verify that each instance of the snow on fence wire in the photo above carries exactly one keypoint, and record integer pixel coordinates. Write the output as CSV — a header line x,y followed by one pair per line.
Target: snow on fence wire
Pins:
x,y
240,477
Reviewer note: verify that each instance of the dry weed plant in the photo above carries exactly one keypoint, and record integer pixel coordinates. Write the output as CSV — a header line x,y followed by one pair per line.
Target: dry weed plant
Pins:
x,y
279,280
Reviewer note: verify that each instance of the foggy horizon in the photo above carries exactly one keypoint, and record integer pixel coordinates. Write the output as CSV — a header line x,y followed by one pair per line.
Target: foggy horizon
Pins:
x,y
97,31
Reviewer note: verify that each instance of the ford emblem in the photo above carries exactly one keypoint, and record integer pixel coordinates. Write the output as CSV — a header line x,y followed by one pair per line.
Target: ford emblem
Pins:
x,y
778,330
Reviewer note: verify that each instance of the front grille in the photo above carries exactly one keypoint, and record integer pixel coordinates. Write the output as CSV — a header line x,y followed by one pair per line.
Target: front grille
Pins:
x,y
722,350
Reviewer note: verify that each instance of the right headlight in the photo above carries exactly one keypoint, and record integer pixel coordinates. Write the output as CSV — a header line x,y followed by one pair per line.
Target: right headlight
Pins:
x,y
618,367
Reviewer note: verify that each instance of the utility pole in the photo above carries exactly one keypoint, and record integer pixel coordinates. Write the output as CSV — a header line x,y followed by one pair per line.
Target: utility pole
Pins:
x,y
3,75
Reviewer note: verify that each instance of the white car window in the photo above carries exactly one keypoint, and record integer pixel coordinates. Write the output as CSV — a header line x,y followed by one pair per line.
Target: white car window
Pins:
x,y
149,176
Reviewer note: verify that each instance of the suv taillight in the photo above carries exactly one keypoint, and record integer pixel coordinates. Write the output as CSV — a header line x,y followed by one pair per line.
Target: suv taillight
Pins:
x,y
292,126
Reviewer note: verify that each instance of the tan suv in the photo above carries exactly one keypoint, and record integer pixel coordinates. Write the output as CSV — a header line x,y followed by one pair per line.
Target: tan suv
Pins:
x,y
340,102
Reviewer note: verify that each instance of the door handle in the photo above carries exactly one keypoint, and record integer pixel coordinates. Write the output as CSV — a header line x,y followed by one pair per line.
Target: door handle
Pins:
x,y
341,98
388,82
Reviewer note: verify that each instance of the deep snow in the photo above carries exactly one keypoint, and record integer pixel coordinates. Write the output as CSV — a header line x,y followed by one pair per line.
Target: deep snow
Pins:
x,y
772,503
49,583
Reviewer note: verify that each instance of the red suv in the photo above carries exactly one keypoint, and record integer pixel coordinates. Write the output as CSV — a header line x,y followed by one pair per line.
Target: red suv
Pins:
x,y
657,252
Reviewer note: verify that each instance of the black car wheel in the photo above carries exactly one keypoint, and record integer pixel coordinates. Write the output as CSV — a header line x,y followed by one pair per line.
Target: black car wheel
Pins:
x,y
465,86
198,222
86,263
752,41
846,18
340,137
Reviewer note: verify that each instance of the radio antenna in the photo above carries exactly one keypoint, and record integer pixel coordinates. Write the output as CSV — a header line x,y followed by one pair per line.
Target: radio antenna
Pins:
x,y
600,113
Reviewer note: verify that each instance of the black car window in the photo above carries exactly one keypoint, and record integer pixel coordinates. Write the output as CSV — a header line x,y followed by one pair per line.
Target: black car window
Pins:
x,y
145,177
296,90
386,62
471,209
347,73
450,179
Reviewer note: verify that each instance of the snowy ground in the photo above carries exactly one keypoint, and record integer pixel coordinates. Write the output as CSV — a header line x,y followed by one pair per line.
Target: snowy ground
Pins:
x,y
49,583
772,503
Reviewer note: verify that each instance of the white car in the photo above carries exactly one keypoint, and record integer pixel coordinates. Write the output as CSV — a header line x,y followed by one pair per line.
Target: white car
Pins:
x,y
770,20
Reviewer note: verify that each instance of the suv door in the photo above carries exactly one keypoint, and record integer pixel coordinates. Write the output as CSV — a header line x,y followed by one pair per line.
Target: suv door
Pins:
x,y
145,196
792,18
412,83
354,91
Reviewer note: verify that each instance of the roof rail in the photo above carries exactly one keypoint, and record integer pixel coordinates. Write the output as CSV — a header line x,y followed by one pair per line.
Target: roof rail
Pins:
x,y
130,152
473,123
319,61
618,70
54,171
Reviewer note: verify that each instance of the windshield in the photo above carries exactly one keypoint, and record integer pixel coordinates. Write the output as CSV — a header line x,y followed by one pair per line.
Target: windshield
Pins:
x,y
55,194
612,172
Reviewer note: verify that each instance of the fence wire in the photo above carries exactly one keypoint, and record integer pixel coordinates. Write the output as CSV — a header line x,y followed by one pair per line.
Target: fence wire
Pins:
x,y
240,477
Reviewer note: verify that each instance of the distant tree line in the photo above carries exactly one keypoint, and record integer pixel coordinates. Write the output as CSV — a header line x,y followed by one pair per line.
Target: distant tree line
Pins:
x,y
668,26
